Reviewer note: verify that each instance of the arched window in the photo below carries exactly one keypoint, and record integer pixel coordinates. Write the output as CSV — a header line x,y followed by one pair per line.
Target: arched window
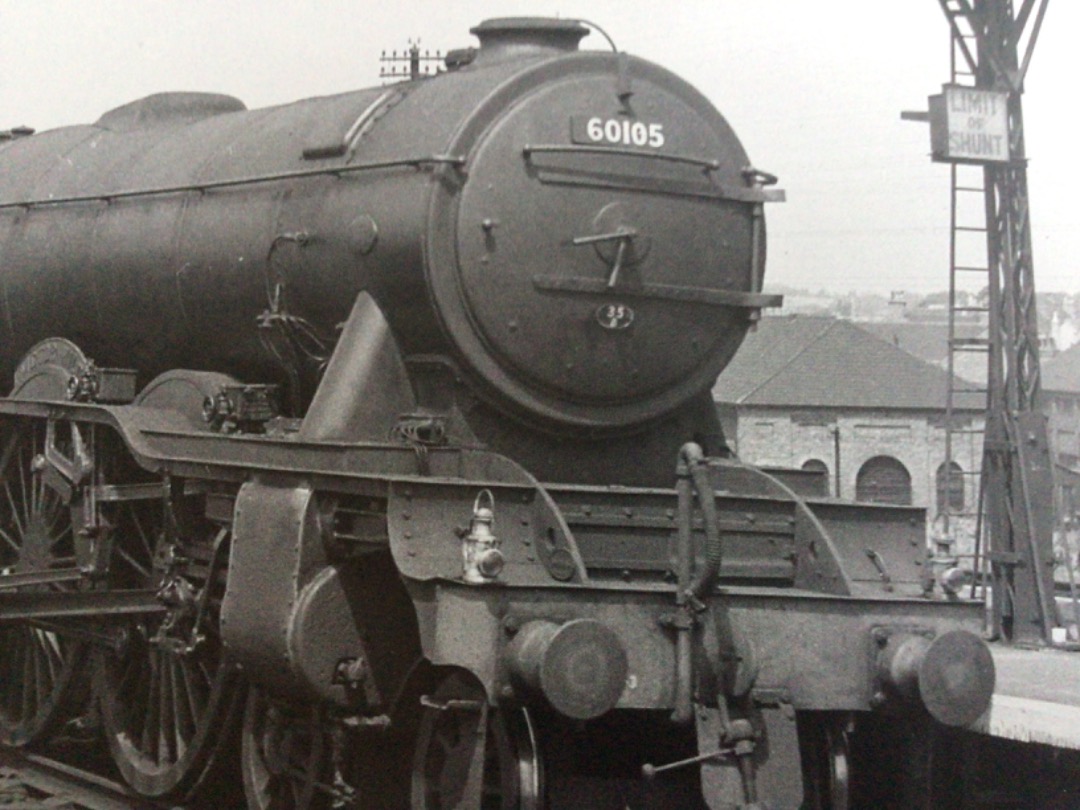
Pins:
x,y
819,480
950,486
883,479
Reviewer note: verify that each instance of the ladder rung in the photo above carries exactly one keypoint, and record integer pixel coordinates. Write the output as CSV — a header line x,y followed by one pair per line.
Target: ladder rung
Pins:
x,y
969,341
970,269
970,228
970,309
967,432
971,188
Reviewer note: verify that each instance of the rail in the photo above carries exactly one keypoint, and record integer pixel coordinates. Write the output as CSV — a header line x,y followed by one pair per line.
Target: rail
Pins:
x,y
33,780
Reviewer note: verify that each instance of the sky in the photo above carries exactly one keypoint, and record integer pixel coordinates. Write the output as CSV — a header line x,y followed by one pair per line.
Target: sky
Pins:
x,y
815,91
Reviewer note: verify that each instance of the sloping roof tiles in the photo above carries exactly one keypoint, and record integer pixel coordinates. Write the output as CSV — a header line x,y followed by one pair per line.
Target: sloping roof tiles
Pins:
x,y
928,341
822,362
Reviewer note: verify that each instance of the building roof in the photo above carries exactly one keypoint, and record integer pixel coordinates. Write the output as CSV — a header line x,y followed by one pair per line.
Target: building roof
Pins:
x,y
929,341
805,361
926,340
1062,372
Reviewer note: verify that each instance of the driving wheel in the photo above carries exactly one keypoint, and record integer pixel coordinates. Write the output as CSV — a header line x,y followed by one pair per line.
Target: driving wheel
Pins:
x,y
39,687
286,757
169,702
471,754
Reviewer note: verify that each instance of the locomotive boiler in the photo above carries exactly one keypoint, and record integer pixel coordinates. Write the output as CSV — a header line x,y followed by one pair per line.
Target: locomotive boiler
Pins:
x,y
366,445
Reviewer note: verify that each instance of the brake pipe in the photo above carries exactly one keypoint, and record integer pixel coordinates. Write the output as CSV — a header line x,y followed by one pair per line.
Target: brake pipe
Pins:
x,y
692,476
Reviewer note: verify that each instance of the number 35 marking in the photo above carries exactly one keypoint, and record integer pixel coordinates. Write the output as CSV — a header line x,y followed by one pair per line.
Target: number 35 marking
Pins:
x,y
614,316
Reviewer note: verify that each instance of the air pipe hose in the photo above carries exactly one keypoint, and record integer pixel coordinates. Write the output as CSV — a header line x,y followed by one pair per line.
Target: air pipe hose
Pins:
x,y
692,456
692,475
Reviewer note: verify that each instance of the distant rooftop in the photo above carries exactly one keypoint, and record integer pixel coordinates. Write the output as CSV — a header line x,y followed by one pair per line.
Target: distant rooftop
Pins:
x,y
1062,372
929,341
926,340
808,361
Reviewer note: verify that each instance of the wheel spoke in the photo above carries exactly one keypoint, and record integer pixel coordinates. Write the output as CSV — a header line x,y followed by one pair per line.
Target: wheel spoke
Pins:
x,y
140,569
7,538
58,521
57,647
47,503
134,708
169,751
28,499
18,684
145,541
149,725
130,680
19,524
11,446
42,672
29,681
43,651
184,705
197,692
204,671
183,728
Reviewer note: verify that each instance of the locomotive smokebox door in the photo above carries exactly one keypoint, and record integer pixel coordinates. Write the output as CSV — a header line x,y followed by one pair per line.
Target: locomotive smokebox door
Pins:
x,y
628,278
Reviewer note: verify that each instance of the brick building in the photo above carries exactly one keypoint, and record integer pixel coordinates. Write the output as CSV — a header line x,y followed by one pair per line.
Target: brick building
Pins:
x,y
819,393
1061,404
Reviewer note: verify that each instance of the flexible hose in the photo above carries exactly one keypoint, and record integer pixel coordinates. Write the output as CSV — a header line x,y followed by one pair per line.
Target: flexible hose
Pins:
x,y
692,456
692,473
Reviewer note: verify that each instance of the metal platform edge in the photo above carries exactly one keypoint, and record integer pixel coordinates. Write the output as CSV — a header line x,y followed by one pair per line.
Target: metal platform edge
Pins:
x,y
1037,697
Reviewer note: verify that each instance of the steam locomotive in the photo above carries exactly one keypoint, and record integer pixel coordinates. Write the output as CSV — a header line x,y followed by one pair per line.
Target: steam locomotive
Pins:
x,y
365,445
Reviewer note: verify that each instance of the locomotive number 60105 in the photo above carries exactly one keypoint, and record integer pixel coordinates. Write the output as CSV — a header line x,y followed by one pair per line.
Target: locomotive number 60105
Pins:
x,y
617,131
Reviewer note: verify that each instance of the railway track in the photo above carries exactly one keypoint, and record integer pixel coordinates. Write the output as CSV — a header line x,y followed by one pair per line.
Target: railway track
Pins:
x,y
36,782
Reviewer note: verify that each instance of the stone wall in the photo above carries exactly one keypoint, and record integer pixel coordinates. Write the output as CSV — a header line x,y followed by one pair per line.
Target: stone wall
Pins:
x,y
791,437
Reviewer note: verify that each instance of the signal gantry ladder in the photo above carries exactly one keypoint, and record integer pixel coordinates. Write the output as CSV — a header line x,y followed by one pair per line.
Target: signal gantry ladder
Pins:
x,y
1014,523
969,285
